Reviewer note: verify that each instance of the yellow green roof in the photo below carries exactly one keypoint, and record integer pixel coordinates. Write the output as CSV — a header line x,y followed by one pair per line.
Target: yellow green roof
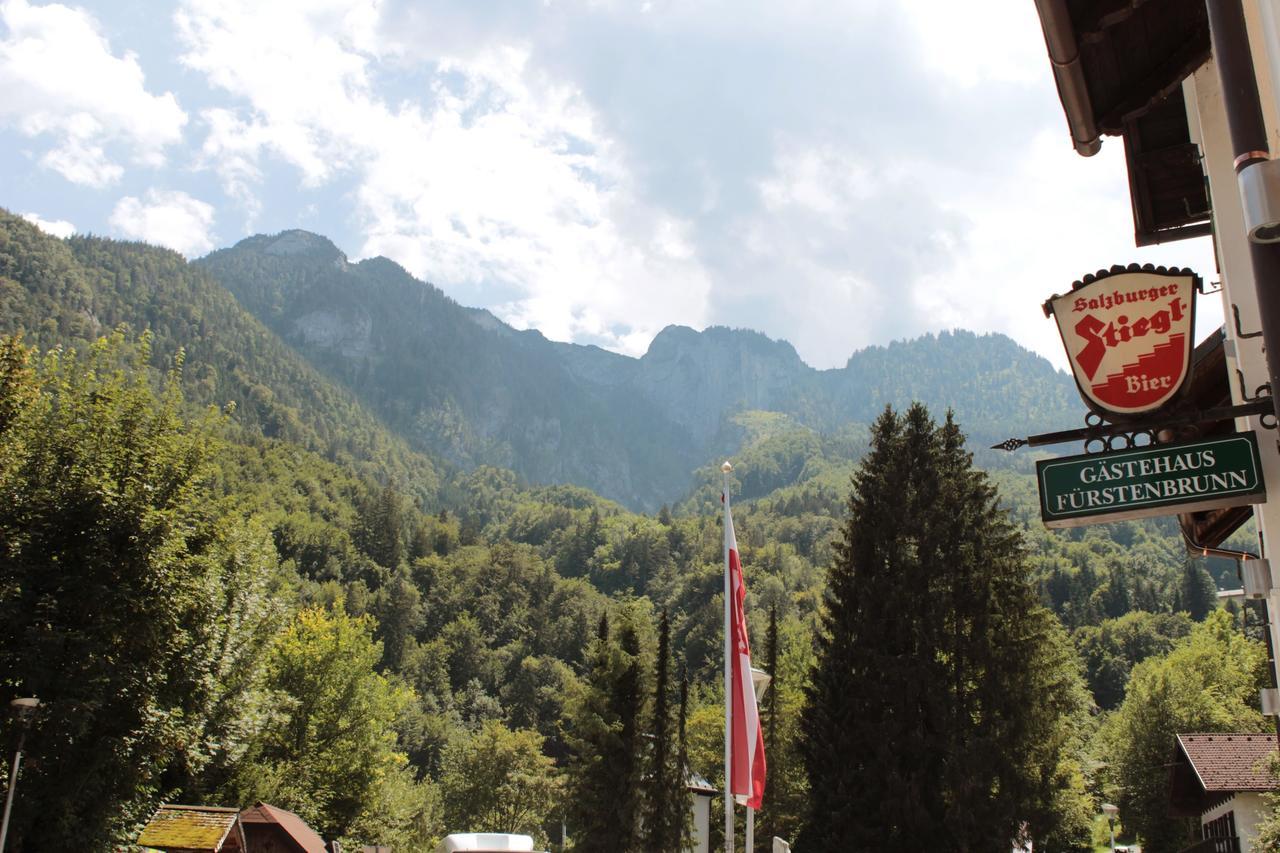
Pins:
x,y
188,828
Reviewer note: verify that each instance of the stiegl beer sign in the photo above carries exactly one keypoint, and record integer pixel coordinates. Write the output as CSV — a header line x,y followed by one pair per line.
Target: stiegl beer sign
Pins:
x,y
1128,335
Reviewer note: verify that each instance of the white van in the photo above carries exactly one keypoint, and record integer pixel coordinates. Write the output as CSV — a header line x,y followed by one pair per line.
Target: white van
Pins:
x,y
485,842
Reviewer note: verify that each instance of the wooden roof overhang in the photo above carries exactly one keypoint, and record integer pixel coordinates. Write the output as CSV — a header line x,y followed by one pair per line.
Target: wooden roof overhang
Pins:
x,y
1210,389
1119,67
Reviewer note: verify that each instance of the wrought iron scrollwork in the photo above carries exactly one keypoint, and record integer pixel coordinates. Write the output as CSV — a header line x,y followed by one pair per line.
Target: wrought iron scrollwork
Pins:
x,y
1099,436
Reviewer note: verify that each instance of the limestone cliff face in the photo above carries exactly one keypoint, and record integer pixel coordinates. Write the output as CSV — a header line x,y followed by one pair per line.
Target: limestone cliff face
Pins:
x,y
455,381
461,383
698,378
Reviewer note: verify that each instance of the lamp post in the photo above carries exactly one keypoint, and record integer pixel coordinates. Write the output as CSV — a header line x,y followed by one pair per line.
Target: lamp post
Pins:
x,y
1111,811
23,708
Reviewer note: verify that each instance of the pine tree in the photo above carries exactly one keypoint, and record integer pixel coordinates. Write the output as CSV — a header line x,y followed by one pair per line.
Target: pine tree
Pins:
x,y
628,706
682,757
605,739
767,824
1197,593
925,714
666,805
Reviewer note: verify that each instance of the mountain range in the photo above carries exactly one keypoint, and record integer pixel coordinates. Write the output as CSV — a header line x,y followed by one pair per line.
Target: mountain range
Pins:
x,y
365,363
459,383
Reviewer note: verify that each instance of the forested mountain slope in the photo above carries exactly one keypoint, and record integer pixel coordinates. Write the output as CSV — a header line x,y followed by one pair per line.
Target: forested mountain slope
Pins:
x,y
460,383
452,380
68,292
477,610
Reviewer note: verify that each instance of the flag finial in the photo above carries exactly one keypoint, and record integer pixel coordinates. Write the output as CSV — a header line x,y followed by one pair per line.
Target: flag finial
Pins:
x,y
726,467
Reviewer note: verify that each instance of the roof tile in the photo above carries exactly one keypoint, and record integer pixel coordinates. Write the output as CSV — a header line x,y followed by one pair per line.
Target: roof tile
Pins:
x,y
1231,761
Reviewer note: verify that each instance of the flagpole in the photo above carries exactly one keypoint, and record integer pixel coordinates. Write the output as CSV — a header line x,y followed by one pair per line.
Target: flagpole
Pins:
x,y
751,830
728,679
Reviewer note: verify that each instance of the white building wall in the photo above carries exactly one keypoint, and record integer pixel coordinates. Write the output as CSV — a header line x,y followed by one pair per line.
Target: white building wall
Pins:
x,y
1249,811
701,824
1207,120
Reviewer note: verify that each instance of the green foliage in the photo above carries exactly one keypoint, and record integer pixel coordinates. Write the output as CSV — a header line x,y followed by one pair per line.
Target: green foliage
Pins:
x,y
1197,593
131,604
481,592
943,702
789,658
666,797
498,780
1208,682
605,736
328,743
1268,830
1112,648
70,292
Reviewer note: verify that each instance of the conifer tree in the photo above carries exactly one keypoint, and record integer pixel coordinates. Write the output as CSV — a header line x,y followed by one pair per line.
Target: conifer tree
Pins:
x,y
682,756
604,736
927,713
771,718
1197,593
666,805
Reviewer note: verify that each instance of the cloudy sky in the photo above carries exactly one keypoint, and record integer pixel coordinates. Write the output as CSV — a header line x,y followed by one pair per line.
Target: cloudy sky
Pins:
x,y
836,173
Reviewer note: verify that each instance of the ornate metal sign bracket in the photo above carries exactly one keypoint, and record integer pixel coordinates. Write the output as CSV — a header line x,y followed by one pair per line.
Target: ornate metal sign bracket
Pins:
x,y
1101,437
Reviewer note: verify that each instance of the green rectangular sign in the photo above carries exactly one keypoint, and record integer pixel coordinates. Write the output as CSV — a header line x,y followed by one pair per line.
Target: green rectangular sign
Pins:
x,y
1162,479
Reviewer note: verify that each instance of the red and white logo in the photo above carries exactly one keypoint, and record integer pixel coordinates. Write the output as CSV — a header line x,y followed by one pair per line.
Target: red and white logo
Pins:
x,y
1128,334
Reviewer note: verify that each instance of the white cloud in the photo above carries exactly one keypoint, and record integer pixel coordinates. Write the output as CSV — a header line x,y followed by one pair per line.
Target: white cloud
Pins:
x,y
837,174
1043,222
844,251
977,41
56,227
169,218
830,252
491,179
60,79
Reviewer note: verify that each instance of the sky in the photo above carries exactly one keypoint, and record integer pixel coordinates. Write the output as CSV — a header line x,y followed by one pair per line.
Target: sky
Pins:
x,y
837,174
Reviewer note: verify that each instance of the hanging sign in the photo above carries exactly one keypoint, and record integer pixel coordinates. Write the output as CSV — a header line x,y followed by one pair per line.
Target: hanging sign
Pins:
x,y
1128,335
1160,479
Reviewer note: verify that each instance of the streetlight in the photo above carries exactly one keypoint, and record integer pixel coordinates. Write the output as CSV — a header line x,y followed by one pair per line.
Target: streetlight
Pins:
x,y
24,708
1111,811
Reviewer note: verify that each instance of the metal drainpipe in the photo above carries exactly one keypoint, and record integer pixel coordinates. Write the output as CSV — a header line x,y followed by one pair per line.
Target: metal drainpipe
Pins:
x,y
1231,52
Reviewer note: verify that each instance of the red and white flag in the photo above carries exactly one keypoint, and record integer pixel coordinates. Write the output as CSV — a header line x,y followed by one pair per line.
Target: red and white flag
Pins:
x,y
747,744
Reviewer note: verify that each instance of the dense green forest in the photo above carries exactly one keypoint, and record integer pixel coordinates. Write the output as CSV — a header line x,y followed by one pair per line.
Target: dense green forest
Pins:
x,y
226,574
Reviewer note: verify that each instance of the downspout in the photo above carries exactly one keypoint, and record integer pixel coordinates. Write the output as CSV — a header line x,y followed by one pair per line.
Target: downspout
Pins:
x,y
1068,73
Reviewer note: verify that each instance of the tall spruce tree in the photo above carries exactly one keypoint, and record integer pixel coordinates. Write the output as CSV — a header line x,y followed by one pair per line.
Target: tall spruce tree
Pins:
x,y
682,756
605,739
926,716
666,794
1197,593
767,824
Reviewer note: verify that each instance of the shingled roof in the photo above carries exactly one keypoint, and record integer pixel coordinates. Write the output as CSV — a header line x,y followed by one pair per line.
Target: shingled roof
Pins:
x,y
193,829
1209,768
